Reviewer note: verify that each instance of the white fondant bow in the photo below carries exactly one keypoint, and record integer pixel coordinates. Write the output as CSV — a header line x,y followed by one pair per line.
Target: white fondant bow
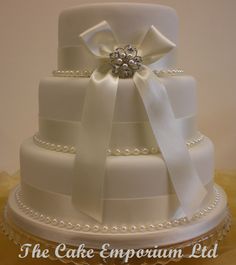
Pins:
x,y
97,117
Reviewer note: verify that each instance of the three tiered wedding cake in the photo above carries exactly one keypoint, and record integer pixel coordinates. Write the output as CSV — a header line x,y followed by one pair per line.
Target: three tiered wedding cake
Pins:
x,y
118,156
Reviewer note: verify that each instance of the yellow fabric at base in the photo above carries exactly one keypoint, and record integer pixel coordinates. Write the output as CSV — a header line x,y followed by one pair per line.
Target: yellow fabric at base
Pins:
x,y
227,248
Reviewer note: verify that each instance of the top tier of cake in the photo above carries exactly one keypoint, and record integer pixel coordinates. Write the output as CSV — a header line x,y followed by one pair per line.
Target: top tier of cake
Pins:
x,y
129,22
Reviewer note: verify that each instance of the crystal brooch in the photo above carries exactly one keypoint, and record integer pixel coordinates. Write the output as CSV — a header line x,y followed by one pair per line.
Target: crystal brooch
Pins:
x,y
125,61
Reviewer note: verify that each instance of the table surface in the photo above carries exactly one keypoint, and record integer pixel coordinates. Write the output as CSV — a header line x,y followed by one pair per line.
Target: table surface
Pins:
x,y
227,248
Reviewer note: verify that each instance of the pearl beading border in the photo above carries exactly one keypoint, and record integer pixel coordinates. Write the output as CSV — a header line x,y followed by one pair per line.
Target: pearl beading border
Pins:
x,y
88,73
72,73
52,146
117,228
115,152
168,72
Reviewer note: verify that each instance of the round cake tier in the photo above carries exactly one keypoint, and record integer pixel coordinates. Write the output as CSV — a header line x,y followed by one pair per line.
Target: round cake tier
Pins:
x,y
129,22
137,188
61,103
158,234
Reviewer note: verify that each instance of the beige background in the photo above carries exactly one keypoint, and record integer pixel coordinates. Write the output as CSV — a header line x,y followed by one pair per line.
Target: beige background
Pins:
x,y
28,42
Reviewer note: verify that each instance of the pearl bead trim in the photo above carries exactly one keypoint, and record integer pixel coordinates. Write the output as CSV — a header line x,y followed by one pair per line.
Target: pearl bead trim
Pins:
x,y
170,72
114,152
168,224
52,146
72,73
88,73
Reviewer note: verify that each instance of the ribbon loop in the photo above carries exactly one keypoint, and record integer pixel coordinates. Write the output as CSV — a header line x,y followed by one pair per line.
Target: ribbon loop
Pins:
x,y
154,46
94,39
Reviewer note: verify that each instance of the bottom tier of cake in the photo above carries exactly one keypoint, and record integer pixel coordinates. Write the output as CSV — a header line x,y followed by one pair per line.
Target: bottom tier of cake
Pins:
x,y
137,190
166,233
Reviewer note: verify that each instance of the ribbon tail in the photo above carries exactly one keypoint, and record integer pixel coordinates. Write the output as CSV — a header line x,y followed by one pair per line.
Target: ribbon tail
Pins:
x,y
187,184
93,141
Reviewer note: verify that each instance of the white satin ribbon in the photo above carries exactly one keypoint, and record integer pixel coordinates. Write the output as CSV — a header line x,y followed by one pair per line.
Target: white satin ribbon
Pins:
x,y
93,142
55,204
171,143
90,162
124,134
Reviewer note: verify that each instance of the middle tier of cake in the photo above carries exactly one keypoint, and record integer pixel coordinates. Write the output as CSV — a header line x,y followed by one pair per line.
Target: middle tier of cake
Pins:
x,y
61,101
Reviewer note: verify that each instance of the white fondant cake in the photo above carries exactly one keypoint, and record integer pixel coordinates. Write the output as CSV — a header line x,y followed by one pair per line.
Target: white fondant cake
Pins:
x,y
142,201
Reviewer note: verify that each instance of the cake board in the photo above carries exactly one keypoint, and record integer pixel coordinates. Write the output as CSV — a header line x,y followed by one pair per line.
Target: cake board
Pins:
x,y
208,229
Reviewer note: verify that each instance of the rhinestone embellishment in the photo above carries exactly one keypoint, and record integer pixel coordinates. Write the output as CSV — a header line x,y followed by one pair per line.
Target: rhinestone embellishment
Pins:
x,y
125,61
